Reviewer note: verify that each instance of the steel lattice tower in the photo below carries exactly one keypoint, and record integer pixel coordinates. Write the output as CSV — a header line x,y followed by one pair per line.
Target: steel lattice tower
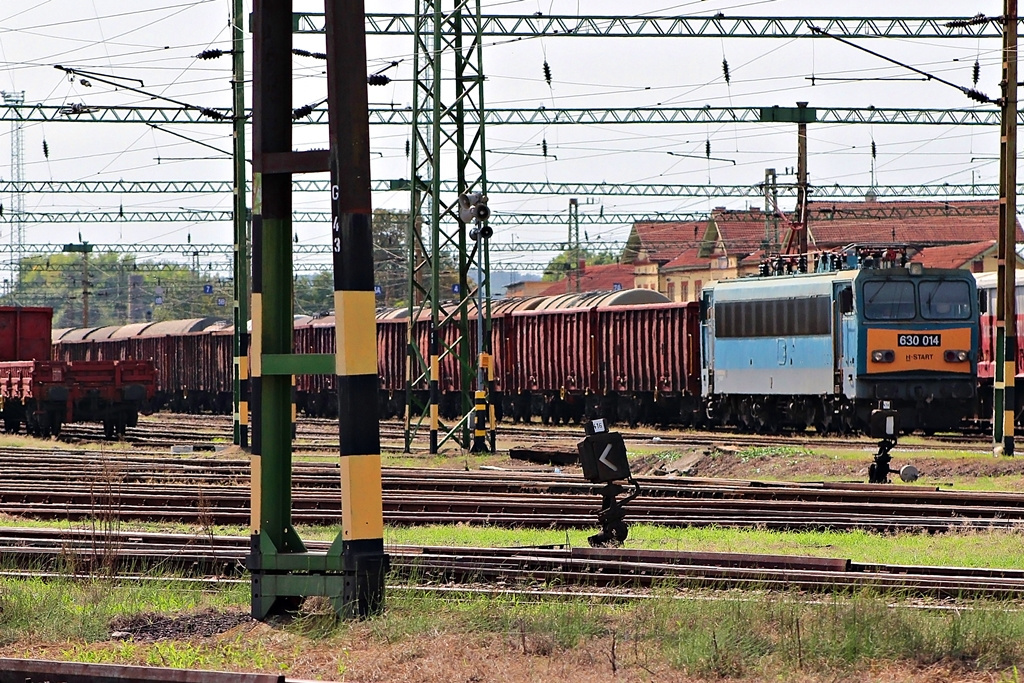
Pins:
x,y
447,141
17,203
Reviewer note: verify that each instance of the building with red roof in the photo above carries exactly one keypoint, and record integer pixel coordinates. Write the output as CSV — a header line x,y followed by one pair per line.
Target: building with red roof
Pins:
x,y
678,258
606,278
731,243
978,257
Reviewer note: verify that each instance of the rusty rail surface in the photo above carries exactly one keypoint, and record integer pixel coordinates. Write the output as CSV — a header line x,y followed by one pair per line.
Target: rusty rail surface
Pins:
x,y
46,671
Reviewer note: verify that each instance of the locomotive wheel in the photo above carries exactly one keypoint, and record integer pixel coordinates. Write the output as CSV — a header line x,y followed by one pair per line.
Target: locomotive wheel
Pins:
x,y
746,415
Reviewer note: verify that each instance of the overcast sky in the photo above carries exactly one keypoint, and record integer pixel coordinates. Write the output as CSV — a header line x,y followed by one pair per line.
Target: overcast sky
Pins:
x,y
156,43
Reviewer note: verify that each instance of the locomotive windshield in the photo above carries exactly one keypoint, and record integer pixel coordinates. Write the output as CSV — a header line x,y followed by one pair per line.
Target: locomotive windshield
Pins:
x,y
889,300
945,300
934,300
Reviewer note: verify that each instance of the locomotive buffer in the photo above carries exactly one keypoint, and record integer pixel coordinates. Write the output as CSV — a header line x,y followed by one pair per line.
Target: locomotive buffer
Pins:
x,y
603,457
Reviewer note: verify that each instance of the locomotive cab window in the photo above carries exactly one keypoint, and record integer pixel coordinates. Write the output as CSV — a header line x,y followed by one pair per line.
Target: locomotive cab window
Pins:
x,y
889,300
945,300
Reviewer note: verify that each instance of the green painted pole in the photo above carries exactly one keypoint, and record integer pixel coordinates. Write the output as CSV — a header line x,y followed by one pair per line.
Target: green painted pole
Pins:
x,y
241,222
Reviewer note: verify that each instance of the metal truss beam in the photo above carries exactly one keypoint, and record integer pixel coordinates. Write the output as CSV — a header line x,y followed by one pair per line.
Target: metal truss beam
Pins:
x,y
519,187
540,116
508,219
719,26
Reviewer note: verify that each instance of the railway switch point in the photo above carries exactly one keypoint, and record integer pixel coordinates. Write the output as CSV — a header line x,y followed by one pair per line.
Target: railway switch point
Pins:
x,y
604,461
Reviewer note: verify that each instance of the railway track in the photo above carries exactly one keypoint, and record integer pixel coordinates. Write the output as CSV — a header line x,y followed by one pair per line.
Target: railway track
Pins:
x,y
208,432
559,567
27,670
199,490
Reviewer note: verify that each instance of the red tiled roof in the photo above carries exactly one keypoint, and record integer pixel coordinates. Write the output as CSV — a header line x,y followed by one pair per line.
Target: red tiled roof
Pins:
x,y
833,224
909,223
952,255
689,258
596,279
663,241
743,231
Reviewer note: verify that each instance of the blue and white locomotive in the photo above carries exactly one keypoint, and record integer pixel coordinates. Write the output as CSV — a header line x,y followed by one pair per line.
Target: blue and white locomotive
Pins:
x,y
823,349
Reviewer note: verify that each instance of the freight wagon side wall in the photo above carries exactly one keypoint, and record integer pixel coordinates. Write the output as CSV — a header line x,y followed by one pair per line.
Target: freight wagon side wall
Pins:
x,y
554,350
25,333
392,341
648,349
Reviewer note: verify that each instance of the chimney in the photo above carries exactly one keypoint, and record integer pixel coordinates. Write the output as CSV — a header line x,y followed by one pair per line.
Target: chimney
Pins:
x,y
870,197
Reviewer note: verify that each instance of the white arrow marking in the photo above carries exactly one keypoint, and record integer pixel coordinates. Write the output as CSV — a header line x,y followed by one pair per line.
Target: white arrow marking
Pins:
x,y
604,456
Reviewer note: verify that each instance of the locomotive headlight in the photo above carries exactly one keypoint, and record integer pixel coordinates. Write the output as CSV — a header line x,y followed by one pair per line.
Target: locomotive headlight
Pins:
x,y
953,356
883,356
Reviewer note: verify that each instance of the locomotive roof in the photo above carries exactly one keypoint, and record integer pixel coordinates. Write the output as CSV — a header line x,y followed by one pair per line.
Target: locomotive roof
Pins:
x,y
989,280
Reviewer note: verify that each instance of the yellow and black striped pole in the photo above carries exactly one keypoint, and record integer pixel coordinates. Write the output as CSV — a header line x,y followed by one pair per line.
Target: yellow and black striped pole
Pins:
x,y
492,396
243,385
295,411
480,444
1004,389
435,389
351,573
362,507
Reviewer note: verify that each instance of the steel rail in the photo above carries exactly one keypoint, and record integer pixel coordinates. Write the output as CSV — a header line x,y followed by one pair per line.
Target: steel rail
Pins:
x,y
27,670
540,566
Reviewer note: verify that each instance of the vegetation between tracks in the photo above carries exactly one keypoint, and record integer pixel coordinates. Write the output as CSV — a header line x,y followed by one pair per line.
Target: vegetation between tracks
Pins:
x,y
474,637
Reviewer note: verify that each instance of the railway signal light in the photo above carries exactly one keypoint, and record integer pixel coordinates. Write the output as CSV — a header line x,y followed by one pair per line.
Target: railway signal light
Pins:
x,y
473,209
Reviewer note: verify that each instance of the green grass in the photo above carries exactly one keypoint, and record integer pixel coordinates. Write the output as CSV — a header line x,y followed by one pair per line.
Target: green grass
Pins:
x,y
968,548
82,610
767,636
757,636
21,441
757,453
234,654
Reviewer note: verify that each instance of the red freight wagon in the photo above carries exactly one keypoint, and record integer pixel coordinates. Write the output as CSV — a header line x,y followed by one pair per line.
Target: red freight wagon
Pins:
x,y
987,354
650,360
110,391
559,358
34,393
77,386
25,333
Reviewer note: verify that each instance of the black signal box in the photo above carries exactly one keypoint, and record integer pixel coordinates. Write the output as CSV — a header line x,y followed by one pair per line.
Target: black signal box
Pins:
x,y
603,457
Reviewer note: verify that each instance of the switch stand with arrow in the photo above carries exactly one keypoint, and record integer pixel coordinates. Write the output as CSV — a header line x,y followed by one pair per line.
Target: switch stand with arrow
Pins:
x,y
603,457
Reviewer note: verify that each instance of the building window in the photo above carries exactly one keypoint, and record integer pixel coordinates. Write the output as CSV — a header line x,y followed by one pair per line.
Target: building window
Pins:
x,y
696,288
684,291
671,291
978,266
